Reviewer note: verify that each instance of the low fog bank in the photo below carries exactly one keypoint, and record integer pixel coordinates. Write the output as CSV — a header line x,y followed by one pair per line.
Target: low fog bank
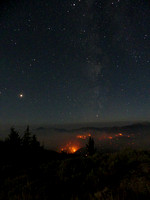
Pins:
x,y
136,136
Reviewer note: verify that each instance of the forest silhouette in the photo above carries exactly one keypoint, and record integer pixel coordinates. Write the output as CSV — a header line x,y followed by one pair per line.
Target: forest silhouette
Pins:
x,y
28,171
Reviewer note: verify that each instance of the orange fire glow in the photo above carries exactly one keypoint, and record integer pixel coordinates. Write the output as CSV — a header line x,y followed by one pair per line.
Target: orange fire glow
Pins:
x,y
110,137
119,134
70,148
83,137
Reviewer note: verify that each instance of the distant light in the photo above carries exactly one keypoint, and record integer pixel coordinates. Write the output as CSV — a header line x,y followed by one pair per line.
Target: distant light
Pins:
x,y
21,95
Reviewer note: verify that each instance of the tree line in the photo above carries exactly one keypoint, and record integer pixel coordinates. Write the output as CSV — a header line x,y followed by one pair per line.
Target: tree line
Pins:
x,y
29,142
25,143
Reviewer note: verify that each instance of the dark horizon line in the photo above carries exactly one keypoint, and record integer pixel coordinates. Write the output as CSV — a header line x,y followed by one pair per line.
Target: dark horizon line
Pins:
x,y
53,125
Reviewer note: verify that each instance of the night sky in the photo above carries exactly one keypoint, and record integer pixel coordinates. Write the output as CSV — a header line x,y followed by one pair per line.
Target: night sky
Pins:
x,y
74,61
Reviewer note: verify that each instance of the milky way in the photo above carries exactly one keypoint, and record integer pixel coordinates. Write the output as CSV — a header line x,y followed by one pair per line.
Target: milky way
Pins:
x,y
74,61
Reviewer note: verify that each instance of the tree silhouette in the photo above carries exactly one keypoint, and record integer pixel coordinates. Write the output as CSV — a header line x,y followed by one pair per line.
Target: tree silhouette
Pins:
x,y
35,144
26,139
13,139
90,147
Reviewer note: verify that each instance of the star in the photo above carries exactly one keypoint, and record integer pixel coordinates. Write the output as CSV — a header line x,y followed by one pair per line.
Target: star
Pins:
x,y
21,95
97,116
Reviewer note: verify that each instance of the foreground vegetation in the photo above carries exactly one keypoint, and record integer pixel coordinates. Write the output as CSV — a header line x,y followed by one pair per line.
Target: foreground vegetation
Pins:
x,y
29,172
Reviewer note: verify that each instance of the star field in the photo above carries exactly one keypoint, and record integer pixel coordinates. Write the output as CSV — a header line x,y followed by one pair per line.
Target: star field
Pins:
x,y
74,61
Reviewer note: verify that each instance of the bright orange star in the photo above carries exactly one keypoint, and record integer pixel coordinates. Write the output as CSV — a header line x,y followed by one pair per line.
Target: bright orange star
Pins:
x,y
21,95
